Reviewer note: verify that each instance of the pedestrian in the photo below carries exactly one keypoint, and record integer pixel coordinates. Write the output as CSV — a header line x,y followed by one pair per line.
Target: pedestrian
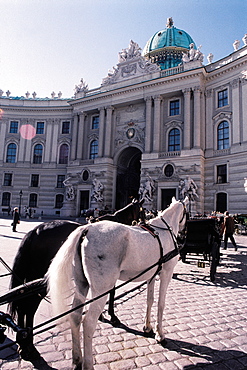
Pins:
x,y
228,228
16,219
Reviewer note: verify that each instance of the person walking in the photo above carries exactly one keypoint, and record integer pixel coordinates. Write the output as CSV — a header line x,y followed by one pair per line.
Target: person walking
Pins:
x,y
16,219
228,228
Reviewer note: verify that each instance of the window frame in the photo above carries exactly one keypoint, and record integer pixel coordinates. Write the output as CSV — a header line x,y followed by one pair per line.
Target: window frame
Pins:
x,y
37,157
172,147
62,158
6,199
224,100
95,125
221,177
174,111
66,129
60,182
14,129
9,153
94,153
224,141
8,182
34,180
42,128
59,204
32,203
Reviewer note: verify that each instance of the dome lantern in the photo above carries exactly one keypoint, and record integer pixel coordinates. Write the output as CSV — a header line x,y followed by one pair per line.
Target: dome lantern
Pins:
x,y
166,47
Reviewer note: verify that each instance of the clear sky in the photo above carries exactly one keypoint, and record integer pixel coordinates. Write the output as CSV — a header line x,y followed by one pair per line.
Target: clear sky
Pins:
x,y
49,45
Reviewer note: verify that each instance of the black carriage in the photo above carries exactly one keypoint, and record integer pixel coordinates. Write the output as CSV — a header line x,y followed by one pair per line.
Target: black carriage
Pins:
x,y
202,243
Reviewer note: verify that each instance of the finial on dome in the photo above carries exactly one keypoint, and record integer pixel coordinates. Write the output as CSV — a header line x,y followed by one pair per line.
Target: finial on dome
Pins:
x,y
169,23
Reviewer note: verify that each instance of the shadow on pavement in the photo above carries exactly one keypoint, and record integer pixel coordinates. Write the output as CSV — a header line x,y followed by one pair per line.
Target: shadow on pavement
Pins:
x,y
212,357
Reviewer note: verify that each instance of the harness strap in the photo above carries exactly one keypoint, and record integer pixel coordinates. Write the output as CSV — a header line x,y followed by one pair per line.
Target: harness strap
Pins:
x,y
168,256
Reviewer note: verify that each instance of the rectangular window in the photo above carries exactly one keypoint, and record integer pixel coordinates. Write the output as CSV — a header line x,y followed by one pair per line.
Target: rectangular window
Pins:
x,y
65,127
35,181
40,128
222,98
95,122
60,180
174,107
7,179
33,200
221,174
13,129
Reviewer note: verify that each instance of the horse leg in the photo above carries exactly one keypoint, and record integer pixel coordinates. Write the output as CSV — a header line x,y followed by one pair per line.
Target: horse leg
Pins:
x,y
150,300
75,322
114,319
26,312
165,278
89,326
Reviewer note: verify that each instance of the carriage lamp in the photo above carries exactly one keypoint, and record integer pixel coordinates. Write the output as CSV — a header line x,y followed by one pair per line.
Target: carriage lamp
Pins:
x,y
20,195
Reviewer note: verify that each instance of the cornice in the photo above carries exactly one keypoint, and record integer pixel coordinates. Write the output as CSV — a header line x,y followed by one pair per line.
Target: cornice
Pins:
x,y
140,86
223,70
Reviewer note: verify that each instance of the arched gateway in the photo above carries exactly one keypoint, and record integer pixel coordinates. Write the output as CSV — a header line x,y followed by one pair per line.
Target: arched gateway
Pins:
x,y
128,176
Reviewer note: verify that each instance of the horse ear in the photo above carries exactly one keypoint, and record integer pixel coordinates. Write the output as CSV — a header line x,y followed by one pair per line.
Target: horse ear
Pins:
x,y
173,199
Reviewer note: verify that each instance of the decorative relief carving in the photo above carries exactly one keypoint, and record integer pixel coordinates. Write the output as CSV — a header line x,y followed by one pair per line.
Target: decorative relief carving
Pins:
x,y
131,64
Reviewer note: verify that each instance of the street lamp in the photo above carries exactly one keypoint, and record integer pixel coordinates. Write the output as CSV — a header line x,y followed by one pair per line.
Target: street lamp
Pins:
x,y
20,195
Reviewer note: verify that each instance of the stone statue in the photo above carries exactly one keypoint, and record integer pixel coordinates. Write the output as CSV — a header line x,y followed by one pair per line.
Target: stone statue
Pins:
x,y
236,45
97,191
146,190
70,191
82,87
245,39
210,58
245,184
188,187
193,54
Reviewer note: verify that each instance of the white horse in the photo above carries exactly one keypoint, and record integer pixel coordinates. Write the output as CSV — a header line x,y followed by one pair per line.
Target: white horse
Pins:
x,y
97,255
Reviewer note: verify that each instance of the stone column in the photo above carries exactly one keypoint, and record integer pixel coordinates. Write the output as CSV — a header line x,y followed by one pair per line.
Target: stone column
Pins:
x,y
48,142
74,130
235,112
197,117
3,130
108,131
80,135
54,145
209,123
101,131
244,107
156,133
148,124
187,120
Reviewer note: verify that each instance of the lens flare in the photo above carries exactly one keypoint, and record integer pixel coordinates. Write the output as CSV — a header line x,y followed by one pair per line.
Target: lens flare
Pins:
x,y
27,132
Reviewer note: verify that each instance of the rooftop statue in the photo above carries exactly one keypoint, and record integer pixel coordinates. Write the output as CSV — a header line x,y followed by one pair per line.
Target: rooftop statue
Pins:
x,y
193,54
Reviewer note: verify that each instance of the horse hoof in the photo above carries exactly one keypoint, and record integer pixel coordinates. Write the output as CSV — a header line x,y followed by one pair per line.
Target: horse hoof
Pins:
x,y
115,321
29,353
149,334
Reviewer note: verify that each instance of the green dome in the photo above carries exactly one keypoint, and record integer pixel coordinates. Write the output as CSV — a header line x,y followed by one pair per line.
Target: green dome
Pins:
x,y
166,47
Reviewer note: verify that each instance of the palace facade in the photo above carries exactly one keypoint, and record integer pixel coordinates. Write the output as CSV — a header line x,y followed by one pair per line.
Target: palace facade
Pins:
x,y
161,124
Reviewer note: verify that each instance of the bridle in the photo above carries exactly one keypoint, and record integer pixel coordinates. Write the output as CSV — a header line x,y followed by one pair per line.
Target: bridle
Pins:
x,y
155,234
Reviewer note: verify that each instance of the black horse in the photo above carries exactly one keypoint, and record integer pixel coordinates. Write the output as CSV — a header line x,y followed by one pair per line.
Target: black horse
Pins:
x,y
37,249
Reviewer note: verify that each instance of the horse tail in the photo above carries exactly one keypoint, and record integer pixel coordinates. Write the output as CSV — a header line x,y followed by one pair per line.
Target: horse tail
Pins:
x,y
20,268
60,272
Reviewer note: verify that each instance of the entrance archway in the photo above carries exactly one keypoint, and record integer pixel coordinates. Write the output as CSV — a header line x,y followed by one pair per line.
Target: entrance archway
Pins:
x,y
128,176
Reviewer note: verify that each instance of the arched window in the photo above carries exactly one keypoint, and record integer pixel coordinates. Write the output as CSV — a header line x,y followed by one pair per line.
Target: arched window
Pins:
x,y
33,200
94,149
174,140
6,199
59,201
223,135
63,154
11,153
37,154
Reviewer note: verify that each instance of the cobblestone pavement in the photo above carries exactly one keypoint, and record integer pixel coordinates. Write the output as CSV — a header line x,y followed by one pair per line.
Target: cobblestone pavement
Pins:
x,y
205,322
